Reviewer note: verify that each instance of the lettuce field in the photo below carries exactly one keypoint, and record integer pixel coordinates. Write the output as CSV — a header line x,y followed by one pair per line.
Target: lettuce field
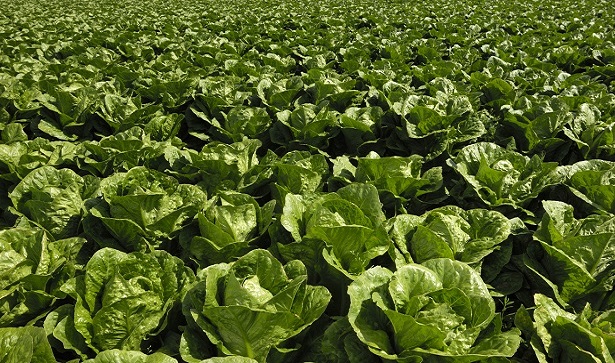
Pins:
x,y
307,181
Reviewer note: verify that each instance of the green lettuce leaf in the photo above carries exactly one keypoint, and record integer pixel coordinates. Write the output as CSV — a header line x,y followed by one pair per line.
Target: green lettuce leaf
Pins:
x,y
503,177
127,356
307,125
451,232
298,172
229,359
438,311
120,301
361,128
229,228
141,208
19,158
401,181
53,198
25,344
593,132
558,335
592,181
340,344
121,151
32,270
536,122
572,259
279,94
225,166
254,304
342,231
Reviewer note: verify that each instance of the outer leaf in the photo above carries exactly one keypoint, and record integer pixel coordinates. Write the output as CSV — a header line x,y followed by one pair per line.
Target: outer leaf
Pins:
x,y
254,304
127,356
52,198
463,235
592,181
25,344
577,255
503,177
427,311
122,299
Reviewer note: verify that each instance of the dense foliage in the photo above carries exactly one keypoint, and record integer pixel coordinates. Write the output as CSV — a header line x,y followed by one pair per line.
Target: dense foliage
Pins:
x,y
299,181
